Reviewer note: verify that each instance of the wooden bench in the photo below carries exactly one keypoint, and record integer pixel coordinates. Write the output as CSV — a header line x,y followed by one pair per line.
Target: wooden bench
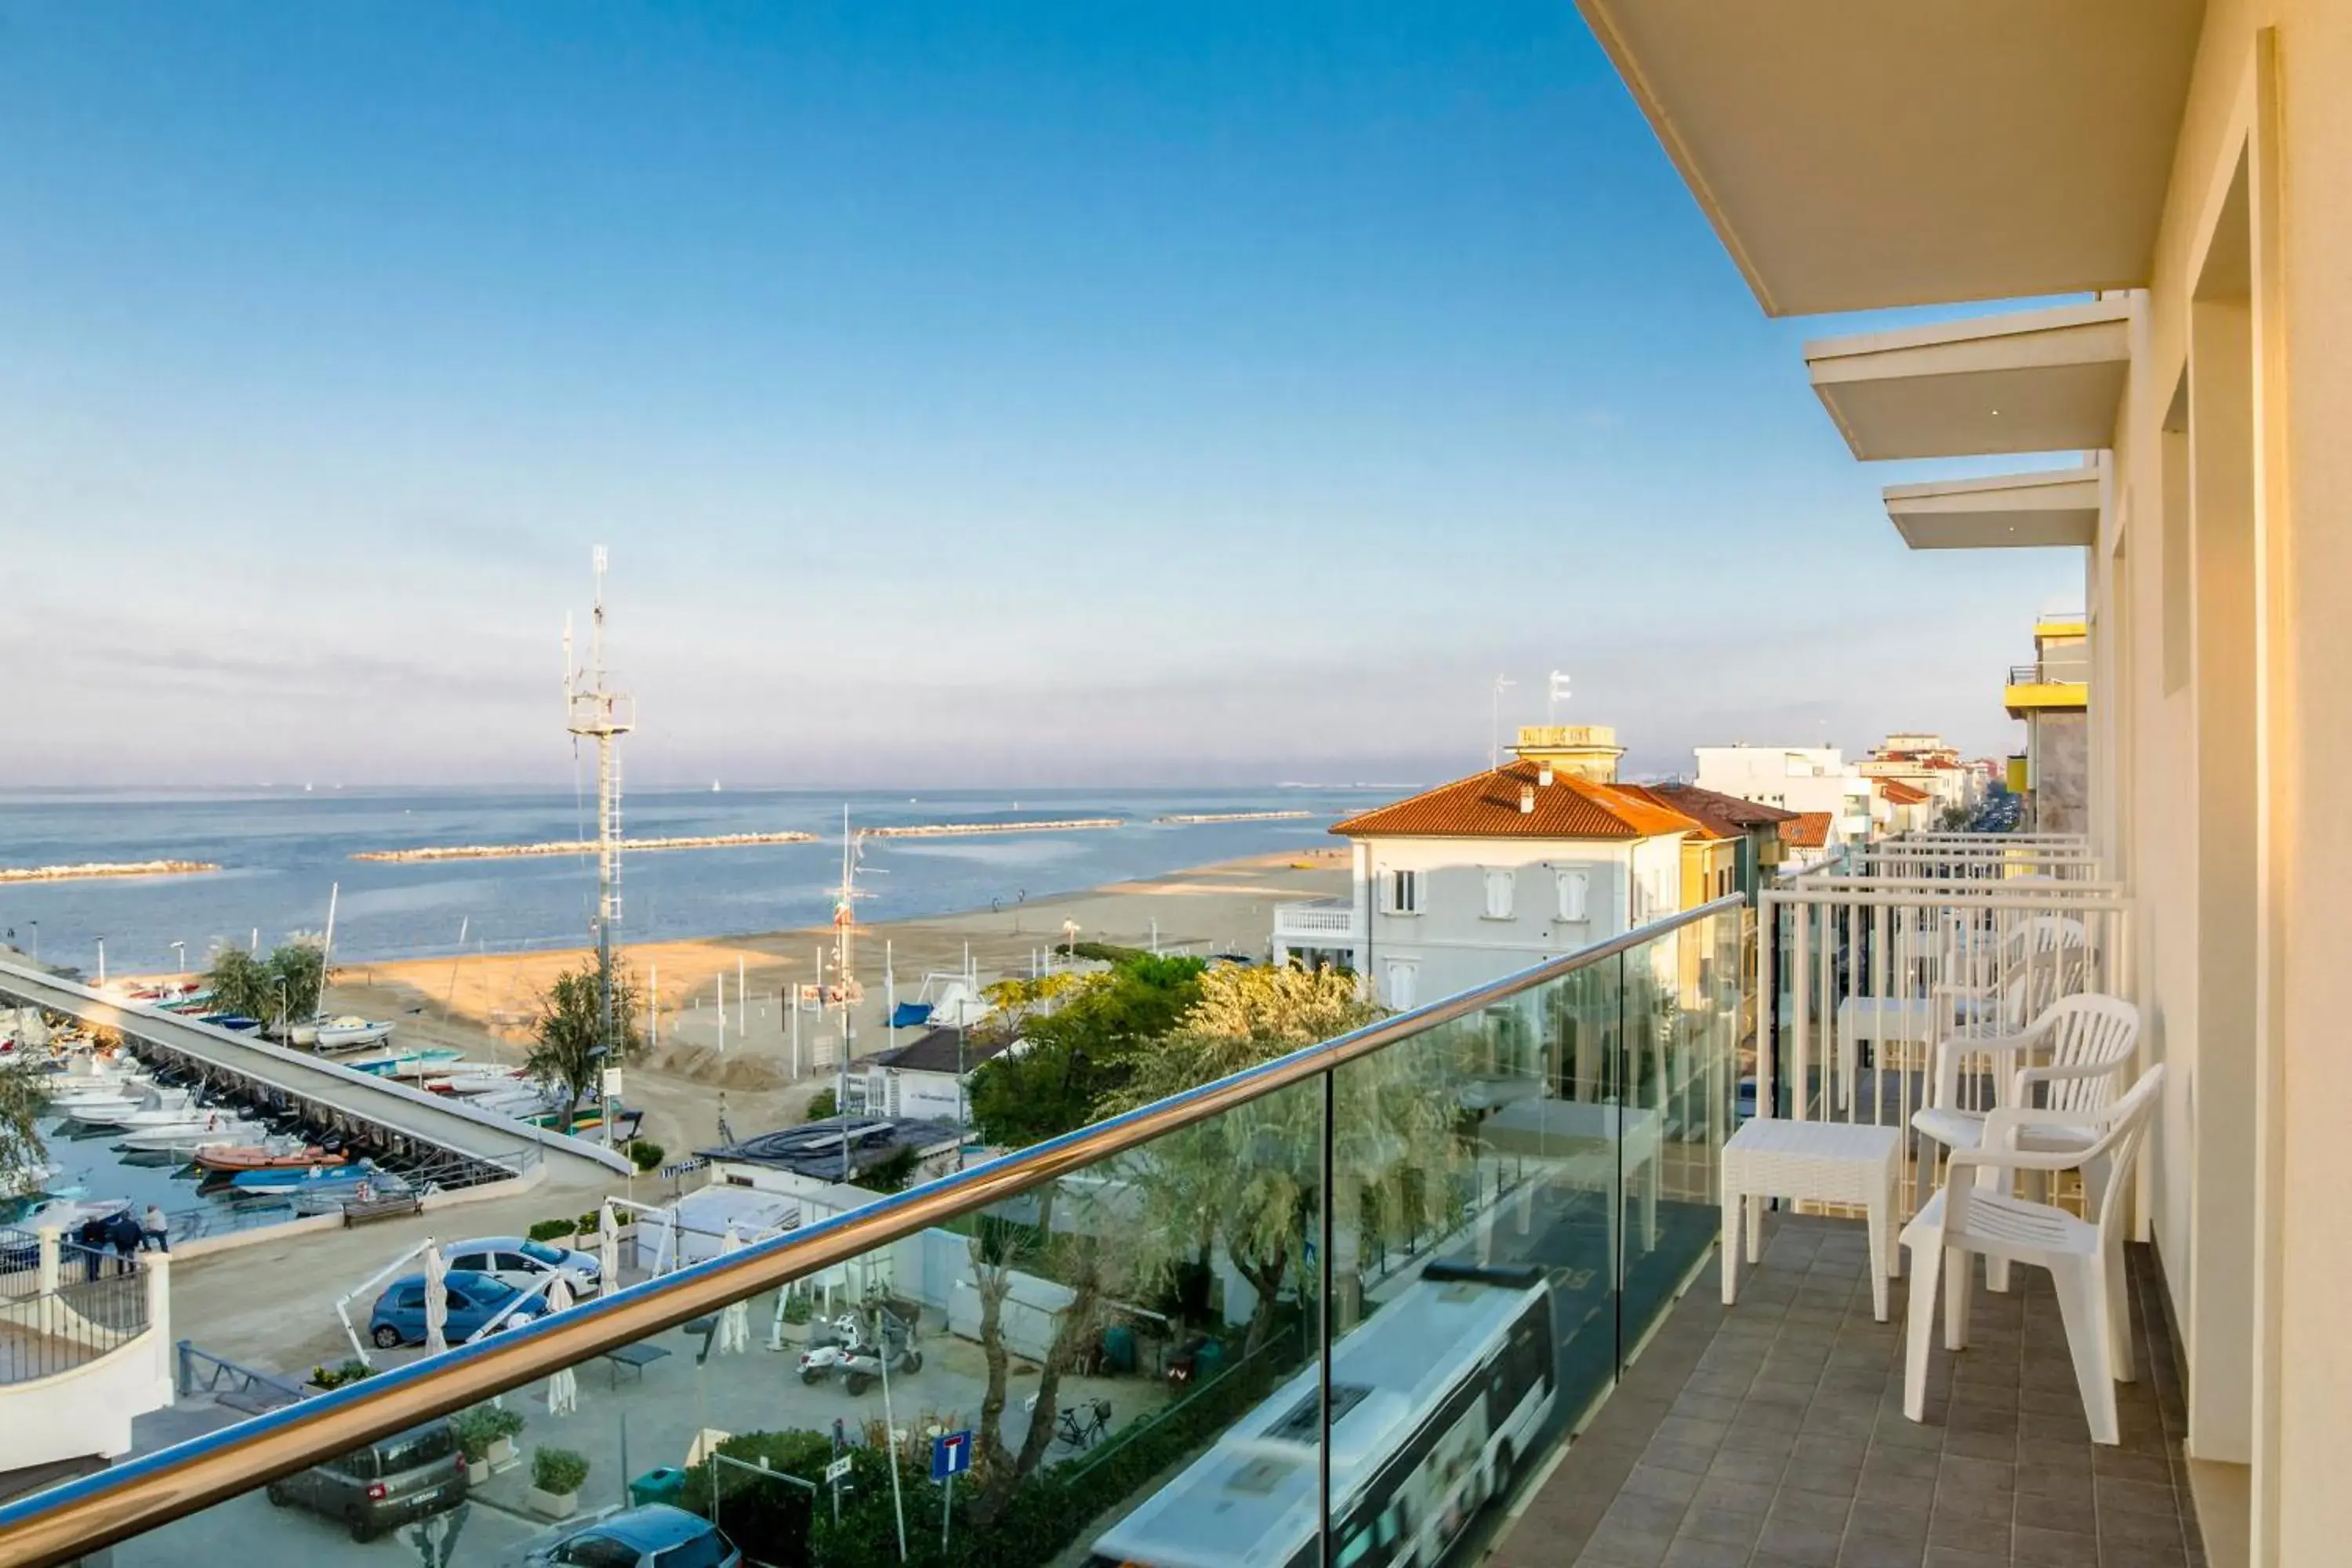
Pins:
x,y
360,1211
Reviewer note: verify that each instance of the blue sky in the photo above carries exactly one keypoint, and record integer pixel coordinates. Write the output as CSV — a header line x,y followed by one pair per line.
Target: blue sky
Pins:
x,y
1015,392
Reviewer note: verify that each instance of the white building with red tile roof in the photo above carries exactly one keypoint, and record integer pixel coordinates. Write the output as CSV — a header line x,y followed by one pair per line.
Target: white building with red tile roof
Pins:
x,y
1487,875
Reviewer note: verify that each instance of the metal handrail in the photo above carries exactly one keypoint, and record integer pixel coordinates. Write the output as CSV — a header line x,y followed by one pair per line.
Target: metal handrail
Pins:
x,y
81,1515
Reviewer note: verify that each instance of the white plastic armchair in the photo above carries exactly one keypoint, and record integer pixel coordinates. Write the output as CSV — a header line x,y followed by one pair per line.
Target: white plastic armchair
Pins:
x,y
2084,1255
2046,957
2090,1041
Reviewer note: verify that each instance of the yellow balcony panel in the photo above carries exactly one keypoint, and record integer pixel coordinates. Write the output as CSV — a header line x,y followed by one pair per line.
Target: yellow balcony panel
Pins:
x,y
1999,511
2043,696
2034,380
1856,155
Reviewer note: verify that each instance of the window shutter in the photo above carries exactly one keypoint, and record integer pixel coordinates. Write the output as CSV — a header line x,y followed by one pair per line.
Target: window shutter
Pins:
x,y
1499,894
1572,888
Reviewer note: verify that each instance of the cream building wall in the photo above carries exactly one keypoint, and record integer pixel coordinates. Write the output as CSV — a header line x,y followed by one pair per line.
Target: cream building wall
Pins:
x,y
2221,601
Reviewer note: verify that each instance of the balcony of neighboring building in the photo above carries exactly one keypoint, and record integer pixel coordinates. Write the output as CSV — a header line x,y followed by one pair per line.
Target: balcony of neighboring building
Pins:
x,y
1318,922
2059,682
85,1348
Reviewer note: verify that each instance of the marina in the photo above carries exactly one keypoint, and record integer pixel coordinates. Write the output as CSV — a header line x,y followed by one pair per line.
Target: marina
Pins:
x,y
326,1096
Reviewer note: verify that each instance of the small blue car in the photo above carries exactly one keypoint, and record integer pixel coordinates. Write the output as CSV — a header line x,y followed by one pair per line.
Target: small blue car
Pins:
x,y
474,1300
654,1536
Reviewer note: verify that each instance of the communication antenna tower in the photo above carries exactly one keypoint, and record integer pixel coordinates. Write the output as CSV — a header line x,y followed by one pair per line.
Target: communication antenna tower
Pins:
x,y
594,712
844,951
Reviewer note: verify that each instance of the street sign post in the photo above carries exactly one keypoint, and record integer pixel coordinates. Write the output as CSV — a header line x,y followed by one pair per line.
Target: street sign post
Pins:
x,y
832,1474
950,1456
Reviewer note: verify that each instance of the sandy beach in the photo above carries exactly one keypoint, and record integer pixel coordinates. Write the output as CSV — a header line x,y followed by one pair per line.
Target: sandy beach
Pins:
x,y
485,1003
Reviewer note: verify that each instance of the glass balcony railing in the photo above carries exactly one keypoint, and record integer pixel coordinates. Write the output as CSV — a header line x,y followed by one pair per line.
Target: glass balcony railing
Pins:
x,y
1337,1308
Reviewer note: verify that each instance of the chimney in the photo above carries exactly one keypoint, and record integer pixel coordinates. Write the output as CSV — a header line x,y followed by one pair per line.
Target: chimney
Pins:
x,y
1526,800
1543,773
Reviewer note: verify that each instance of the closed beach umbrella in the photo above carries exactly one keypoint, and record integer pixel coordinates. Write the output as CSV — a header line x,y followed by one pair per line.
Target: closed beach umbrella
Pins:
x,y
563,1387
735,1320
608,1248
436,1301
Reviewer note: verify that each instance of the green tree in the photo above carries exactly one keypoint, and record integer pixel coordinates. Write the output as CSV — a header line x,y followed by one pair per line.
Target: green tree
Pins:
x,y
23,1155
1249,1180
284,987
1084,1047
565,1056
825,1103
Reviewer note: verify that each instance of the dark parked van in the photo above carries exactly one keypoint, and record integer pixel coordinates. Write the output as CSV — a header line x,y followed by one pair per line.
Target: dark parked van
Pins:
x,y
390,1481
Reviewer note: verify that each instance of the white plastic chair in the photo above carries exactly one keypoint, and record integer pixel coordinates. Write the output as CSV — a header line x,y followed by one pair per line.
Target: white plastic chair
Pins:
x,y
1970,1214
2044,958
2090,1039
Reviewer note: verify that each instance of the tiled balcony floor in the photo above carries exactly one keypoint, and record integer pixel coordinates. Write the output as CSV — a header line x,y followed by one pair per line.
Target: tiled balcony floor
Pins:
x,y
1773,1435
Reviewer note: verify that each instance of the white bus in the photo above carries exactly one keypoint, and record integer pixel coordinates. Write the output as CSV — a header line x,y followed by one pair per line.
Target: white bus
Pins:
x,y
1436,1399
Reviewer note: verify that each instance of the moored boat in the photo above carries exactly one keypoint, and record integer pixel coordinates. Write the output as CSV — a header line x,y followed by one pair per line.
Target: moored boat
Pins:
x,y
276,1154
281,1180
351,1033
152,1099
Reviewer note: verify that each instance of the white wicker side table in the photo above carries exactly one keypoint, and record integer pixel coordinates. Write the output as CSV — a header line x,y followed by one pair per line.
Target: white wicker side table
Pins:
x,y
1818,1161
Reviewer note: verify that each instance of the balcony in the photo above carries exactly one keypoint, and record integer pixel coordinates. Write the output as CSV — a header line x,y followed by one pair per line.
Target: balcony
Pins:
x,y
85,1347
1318,922
1482,1205
1772,1432
1223,1327
2045,684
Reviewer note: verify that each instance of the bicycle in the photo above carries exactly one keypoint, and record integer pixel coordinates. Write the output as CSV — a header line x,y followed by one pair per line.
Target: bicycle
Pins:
x,y
1080,1433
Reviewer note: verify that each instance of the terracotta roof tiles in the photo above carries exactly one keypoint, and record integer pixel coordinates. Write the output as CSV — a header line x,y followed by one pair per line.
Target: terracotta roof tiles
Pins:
x,y
1487,805
1809,830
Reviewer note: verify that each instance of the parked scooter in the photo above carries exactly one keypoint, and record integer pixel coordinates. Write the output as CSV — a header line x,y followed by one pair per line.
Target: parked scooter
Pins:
x,y
843,1338
894,1342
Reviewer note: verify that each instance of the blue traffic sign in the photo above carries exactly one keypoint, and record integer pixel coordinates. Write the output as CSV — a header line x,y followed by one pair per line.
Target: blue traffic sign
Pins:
x,y
951,1454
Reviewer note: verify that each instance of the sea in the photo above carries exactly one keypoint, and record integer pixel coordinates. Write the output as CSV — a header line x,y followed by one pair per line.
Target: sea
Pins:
x,y
283,852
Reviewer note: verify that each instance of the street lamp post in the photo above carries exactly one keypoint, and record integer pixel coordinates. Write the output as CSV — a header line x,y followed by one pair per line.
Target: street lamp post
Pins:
x,y
37,944
101,961
181,947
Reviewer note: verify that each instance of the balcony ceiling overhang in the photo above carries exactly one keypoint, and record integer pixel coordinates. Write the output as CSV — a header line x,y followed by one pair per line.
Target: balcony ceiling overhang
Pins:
x,y
2037,381
1858,154
2012,511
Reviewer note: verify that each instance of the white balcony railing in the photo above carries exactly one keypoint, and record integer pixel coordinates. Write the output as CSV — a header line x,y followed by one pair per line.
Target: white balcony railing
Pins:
x,y
1868,973
1317,920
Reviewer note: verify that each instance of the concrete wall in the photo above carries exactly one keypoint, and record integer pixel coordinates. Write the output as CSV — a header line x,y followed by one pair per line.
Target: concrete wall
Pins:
x,y
2062,773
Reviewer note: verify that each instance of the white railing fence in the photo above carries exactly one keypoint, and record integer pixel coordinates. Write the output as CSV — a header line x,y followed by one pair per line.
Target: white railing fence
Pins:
x,y
1333,917
1864,977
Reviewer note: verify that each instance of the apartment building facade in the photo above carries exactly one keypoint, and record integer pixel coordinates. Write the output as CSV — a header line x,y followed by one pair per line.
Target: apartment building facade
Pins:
x,y
1482,877
2173,172
1799,779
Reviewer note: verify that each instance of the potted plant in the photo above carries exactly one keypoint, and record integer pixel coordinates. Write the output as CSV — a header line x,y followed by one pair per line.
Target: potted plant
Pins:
x,y
352,1369
556,1476
486,1433
796,1317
